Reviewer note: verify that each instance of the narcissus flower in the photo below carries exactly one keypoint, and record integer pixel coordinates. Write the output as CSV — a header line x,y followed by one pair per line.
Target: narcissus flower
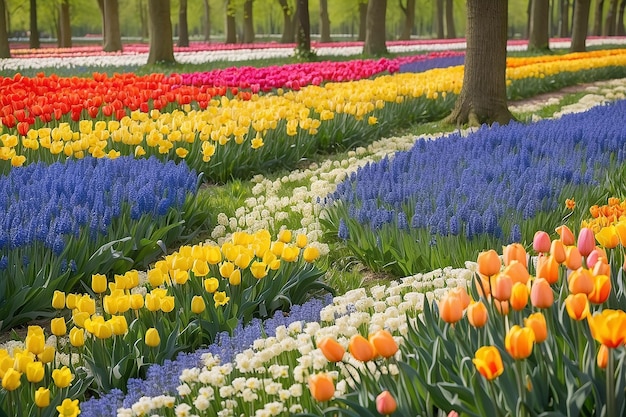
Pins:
x,y
68,408
322,387
488,362
519,342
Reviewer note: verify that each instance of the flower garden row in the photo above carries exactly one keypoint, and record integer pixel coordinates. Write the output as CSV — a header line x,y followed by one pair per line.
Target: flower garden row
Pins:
x,y
193,294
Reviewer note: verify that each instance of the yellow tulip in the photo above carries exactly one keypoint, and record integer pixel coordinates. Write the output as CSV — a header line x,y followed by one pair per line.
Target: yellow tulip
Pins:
x,y
99,283
488,362
77,337
537,322
48,354
311,254
258,269
577,306
58,300
11,380
211,285
197,304
58,327
42,397
608,327
62,377
35,340
519,342
608,237
152,337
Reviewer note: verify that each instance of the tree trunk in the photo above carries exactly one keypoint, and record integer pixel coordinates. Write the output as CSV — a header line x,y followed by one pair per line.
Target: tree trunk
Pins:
x,y
34,30
450,29
111,18
580,25
161,42
5,50
362,20
231,27
143,20
303,30
375,34
439,19
324,22
564,19
288,33
610,20
409,19
102,15
65,30
248,22
619,24
207,21
183,28
538,38
483,95
597,21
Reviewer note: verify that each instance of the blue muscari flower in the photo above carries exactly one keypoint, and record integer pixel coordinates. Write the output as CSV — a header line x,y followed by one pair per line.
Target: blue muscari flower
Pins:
x,y
516,234
58,245
455,227
343,232
402,222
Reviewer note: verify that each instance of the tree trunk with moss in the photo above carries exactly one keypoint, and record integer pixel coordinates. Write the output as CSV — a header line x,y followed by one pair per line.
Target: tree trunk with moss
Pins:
x,y
539,38
610,21
483,95
375,34
620,30
362,20
450,28
324,22
303,30
248,22
33,40
580,25
112,36
231,27
597,18
161,42
5,50
408,12
288,35
65,30
183,27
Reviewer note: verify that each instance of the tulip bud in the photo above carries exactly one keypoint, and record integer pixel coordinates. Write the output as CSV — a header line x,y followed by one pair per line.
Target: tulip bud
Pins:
x,y
580,281
601,289
577,306
488,362
58,300
48,354
211,285
284,236
557,250
234,278
519,296
35,340
573,259
519,342
11,380
385,403
537,322
58,327
322,387
489,262
77,337
517,271
548,268
311,254
501,289
136,301
62,377
477,314
450,308
566,235
384,343
331,349
152,337
197,304
99,283
42,397
167,303
34,372
301,240
586,241
541,242
541,294
603,356
361,349
515,251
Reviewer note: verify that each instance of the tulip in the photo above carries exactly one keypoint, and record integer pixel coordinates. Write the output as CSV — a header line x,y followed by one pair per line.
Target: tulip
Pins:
x,y
537,322
517,271
197,304
48,354
573,258
22,359
608,327
34,372
603,356
620,229
290,253
68,408
35,340
152,337
586,241
601,289
58,300
557,250
62,377
136,301
450,308
235,277
515,252
211,285
77,337
99,283
118,325
577,306
310,254
541,242
519,342
226,269
156,277
462,294
541,294
519,296
488,362
167,303
42,397
477,314
322,387
607,237
301,240
483,285
385,403
501,289
361,349
596,254
284,236
489,262
384,343
258,269
11,379
180,276
58,327
566,235
601,267
86,304
70,301
580,281
502,307
548,268
331,349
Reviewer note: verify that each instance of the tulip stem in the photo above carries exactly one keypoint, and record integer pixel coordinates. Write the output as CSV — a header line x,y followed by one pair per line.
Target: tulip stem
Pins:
x,y
520,372
610,384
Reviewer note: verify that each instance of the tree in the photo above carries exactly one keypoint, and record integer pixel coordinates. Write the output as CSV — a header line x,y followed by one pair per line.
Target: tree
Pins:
x,y
450,28
362,20
620,30
183,29
143,19
5,50
610,21
483,95
248,22
34,29
303,30
580,25
288,32
65,30
439,25
409,18
111,34
564,18
161,43
539,38
375,34
324,22
230,26
597,21
206,20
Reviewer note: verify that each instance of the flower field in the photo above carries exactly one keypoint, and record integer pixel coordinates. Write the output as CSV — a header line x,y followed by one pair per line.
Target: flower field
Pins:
x,y
179,234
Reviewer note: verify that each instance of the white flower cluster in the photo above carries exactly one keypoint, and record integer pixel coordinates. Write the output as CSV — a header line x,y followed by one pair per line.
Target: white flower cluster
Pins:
x,y
269,378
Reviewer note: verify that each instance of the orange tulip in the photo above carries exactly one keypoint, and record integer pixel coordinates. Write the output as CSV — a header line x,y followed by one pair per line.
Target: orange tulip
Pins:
x,y
548,268
519,342
566,235
450,308
519,296
462,294
331,349
609,327
580,281
361,349
514,252
502,306
322,387
601,289
573,258
541,294
557,249
517,271
501,288
537,322
608,237
603,356
488,362
477,314
483,285
385,403
489,262
586,241
601,267
577,306
541,242
384,343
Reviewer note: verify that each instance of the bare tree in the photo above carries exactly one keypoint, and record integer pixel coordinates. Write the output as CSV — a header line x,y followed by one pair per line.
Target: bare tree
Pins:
x,y
564,18
65,30
439,25
483,95
230,26
288,23
303,30
324,22
376,33
362,20
206,20
34,29
597,20
620,30
248,22
450,28
610,20
580,25
409,18
111,34
183,28
539,38
161,42
5,50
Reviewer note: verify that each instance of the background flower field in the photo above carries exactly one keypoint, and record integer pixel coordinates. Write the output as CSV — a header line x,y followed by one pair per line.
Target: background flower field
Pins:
x,y
197,242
